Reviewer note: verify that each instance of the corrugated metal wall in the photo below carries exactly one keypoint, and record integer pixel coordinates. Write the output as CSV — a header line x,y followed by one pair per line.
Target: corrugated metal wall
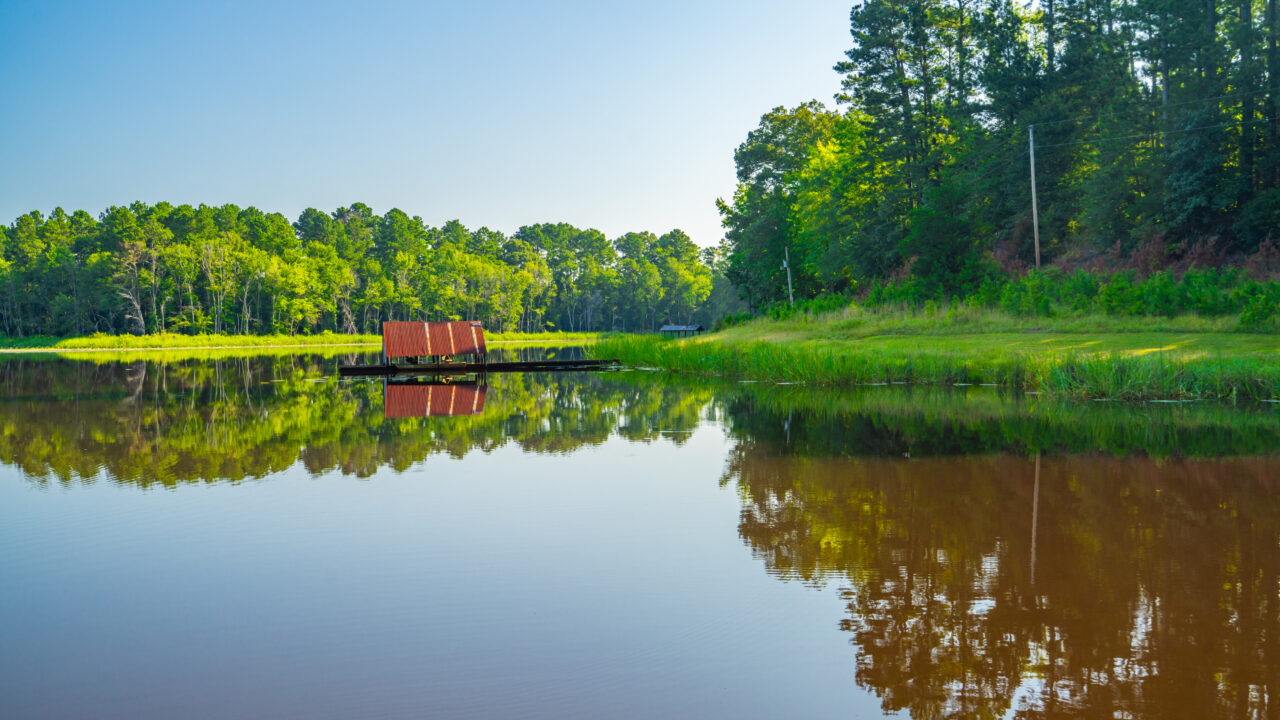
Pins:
x,y
404,339
415,339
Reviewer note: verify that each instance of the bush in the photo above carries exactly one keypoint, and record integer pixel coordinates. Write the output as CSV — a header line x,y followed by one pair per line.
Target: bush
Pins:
x,y
1260,309
1118,296
732,320
1208,292
1160,295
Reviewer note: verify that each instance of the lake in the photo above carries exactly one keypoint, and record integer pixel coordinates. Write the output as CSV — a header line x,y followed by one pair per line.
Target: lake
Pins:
x,y
227,537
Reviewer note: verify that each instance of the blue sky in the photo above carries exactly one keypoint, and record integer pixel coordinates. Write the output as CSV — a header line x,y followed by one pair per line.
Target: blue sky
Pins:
x,y
619,116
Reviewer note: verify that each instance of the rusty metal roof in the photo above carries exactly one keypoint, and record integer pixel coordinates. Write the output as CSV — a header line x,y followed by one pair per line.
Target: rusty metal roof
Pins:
x,y
416,339
405,401
404,339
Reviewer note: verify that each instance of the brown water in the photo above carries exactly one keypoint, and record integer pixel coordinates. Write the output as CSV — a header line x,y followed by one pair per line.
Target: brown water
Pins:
x,y
251,538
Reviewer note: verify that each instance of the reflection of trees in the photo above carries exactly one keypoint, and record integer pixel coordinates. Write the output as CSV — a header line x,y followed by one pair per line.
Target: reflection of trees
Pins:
x,y
930,421
1155,584
1155,590
236,418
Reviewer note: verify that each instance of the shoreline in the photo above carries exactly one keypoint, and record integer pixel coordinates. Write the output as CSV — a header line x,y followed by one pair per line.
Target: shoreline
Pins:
x,y
287,346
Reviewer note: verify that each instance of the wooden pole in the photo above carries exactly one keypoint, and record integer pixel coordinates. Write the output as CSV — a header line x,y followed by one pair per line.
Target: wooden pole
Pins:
x,y
1035,211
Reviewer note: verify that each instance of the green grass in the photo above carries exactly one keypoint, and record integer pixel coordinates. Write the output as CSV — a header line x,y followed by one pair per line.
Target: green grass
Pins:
x,y
965,319
851,347
171,341
545,338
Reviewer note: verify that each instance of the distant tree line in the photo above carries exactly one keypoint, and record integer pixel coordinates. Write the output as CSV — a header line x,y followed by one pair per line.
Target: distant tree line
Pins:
x,y
161,268
1157,131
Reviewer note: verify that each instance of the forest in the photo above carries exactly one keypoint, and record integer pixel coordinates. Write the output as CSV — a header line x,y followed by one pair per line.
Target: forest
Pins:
x,y
1157,149
1156,132
146,269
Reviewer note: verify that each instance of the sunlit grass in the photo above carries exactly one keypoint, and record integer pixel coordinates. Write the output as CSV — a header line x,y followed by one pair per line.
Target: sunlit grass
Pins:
x,y
964,319
1126,366
173,341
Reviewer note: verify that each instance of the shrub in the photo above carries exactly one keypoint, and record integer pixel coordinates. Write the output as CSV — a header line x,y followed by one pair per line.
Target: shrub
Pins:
x,y
731,320
1118,296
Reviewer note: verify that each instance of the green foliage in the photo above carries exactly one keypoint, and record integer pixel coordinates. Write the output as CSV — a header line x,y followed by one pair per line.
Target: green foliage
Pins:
x,y
1260,308
732,320
156,270
1048,293
1154,132
782,310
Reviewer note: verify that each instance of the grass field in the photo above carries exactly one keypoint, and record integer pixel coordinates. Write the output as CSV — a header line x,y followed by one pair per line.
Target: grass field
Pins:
x,y
170,341
1121,358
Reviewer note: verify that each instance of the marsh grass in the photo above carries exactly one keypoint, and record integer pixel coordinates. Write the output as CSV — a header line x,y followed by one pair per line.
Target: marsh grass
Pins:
x,y
1123,367
173,341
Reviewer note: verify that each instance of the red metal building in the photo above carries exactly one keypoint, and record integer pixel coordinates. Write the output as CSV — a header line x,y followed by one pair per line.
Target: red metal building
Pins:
x,y
402,339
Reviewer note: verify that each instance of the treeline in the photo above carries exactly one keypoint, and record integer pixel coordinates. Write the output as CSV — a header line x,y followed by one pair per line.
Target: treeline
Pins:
x,y
1157,138
161,268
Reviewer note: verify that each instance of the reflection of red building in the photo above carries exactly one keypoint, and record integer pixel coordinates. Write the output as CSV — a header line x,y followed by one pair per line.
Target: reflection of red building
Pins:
x,y
427,339
422,400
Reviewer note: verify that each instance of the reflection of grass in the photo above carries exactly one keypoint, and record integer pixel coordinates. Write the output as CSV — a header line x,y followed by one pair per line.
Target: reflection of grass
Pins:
x,y
170,341
950,421
1113,365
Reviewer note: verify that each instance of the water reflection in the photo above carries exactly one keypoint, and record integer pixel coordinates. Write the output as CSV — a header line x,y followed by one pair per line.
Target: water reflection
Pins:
x,y
995,556
171,422
1058,586
432,398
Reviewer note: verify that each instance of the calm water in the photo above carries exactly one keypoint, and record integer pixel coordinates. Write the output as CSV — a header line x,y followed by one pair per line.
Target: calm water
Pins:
x,y
251,538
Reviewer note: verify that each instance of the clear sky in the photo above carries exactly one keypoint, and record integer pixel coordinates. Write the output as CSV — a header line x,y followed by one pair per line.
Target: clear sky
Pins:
x,y
618,116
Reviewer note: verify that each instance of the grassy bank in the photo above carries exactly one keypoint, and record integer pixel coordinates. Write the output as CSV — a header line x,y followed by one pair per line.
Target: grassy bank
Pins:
x,y
1124,359
170,341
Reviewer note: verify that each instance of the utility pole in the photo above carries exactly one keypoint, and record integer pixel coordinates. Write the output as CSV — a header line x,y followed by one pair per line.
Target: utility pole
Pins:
x,y
786,263
1035,211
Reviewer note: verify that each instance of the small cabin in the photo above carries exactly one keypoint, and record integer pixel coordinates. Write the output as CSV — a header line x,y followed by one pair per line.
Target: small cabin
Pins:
x,y
680,330
417,341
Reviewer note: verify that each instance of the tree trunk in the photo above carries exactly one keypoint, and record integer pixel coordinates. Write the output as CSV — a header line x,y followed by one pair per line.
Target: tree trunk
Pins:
x,y
1049,38
1246,112
1273,76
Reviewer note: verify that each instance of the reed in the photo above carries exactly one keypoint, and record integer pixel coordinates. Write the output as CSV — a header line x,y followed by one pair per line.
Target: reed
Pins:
x,y
1100,368
169,341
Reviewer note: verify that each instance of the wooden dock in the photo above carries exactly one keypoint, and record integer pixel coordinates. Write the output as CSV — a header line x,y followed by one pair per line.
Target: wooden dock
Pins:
x,y
462,368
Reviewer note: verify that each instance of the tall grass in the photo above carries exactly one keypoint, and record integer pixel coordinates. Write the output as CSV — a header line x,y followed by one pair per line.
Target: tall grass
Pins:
x,y
103,341
172,340
856,321
1101,374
